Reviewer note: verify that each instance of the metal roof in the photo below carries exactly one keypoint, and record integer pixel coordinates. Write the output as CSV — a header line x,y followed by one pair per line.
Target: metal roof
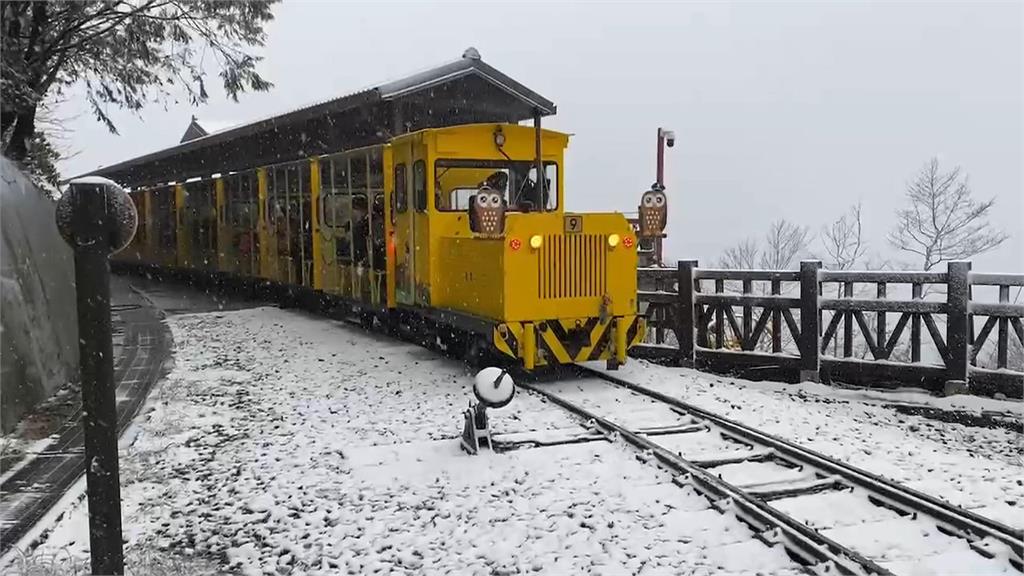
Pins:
x,y
463,91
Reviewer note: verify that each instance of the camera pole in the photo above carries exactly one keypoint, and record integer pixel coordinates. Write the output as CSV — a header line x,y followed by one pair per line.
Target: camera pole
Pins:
x,y
659,181
664,137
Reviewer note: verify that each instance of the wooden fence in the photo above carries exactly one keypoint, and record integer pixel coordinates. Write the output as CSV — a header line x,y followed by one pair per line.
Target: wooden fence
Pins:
x,y
788,324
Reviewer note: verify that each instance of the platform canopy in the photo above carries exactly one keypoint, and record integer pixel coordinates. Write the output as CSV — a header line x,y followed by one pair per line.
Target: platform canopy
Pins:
x,y
461,92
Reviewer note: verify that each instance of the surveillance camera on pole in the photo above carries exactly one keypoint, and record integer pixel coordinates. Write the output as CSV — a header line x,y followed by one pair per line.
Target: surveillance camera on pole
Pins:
x,y
98,218
494,388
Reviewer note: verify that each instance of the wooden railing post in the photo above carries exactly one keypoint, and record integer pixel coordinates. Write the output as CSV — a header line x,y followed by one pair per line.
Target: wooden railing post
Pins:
x,y
685,322
810,333
958,297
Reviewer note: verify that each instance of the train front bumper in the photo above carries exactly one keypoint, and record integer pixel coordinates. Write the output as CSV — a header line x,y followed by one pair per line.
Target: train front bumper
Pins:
x,y
569,340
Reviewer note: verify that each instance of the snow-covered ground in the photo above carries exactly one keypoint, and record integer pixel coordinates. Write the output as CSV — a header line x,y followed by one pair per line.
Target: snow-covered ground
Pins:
x,y
981,469
287,444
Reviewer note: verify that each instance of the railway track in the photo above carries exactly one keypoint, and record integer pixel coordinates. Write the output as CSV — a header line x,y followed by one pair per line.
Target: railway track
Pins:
x,y
831,516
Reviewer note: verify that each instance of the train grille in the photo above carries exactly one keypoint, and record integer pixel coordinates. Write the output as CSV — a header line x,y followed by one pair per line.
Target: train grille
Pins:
x,y
572,266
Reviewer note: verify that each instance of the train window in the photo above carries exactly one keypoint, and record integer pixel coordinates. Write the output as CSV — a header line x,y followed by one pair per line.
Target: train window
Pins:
x,y
228,184
419,185
401,190
335,210
292,210
375,176
164,222
247,197
239,207
359,177
278,200
342,175
456,181
326,175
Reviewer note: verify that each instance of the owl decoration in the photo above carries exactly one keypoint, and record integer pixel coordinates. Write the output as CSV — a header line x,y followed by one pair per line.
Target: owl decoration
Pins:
x,y
653,213
487,212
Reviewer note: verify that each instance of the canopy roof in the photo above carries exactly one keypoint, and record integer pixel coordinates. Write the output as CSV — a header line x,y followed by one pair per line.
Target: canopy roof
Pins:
x,y
467,90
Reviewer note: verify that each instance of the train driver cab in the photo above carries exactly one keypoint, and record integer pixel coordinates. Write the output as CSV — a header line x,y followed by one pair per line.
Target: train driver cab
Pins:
x,y
457,182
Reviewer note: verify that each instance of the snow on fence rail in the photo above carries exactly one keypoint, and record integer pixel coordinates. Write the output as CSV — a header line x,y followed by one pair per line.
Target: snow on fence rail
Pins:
x,y
814,324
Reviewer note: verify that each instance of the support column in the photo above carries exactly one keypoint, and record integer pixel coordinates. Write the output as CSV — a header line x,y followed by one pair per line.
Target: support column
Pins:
x,y
958,297
685,312
810,329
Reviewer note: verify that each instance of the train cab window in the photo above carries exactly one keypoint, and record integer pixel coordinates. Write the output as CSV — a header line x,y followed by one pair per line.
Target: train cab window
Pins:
x,y
456,181
419,185
548,200
401,190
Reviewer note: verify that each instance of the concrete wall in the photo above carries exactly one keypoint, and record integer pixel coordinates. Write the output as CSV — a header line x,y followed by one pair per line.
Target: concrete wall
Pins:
x,y
38,328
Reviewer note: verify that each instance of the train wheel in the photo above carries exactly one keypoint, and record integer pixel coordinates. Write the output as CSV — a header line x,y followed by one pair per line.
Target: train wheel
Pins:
x,y
366,320
454,342
392,323
480,353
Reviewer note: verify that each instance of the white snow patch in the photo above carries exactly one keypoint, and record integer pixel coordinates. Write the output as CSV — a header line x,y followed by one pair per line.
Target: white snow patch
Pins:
x,y
282,443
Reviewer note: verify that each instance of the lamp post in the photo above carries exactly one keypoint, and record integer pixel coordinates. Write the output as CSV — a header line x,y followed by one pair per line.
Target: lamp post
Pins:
x,y
97,218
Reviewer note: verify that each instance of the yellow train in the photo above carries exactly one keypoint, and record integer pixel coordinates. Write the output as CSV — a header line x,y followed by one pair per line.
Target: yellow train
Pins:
x,y
447,231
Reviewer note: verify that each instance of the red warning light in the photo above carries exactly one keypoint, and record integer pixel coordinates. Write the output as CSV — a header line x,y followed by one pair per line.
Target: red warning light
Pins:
x,y
515,244
627,241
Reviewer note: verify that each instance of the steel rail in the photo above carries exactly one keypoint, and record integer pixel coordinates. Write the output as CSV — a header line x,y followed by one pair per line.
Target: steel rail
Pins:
x,y
770,525
956,521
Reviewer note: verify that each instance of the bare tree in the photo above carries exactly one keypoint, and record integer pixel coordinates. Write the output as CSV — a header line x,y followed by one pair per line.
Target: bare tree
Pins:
x,y
743,255
784,243
844,245
944,222
844,240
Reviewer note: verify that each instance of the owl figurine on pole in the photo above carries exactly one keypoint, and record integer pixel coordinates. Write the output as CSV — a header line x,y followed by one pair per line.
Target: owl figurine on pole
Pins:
x,y
653,213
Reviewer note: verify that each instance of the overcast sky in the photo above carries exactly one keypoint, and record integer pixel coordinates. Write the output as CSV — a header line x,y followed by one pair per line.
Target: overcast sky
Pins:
x,y
781,110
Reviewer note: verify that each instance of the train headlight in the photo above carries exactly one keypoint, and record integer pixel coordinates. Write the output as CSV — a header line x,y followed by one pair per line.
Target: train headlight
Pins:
x,y
613,240
536,241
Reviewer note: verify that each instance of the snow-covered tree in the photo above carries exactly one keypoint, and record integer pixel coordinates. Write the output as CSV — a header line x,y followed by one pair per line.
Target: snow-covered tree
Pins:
x,y
124,53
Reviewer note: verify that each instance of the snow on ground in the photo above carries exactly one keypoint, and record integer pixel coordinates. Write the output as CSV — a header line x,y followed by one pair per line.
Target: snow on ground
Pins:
x,y
287,444
978,468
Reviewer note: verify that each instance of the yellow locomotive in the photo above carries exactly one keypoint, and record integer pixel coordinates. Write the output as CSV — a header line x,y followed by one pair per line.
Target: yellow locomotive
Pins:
x,y
458,231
